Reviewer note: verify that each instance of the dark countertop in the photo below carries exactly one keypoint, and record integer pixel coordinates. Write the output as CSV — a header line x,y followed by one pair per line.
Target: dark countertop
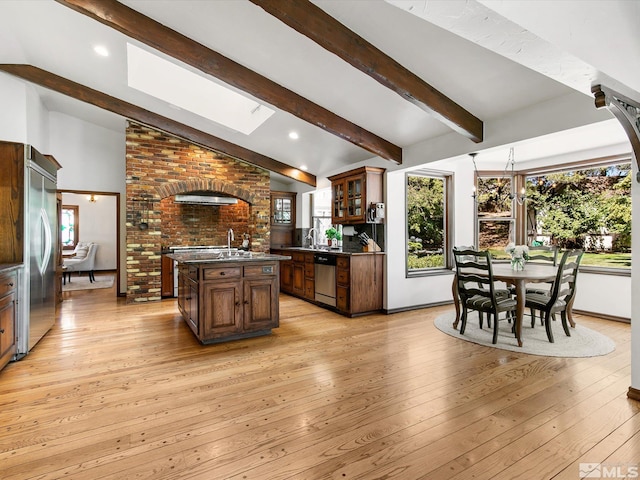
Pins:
x,y
331,251
7,267
223,257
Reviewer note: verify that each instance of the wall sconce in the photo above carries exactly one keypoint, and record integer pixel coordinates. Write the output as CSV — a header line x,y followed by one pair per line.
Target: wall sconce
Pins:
x,y
92,198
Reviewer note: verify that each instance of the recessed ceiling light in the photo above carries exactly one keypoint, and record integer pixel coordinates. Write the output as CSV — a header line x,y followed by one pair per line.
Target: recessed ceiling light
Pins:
x,y
294,135
304,168
101,50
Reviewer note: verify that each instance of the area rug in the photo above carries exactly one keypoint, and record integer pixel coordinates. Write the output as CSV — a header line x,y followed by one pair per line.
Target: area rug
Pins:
x,y
583,341
82,283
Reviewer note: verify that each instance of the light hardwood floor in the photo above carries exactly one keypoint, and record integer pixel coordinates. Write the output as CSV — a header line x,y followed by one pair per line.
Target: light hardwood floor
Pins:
x,y
125,391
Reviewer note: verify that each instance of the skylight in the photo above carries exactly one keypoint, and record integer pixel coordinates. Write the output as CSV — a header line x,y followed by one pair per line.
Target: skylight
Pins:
x,y
184,89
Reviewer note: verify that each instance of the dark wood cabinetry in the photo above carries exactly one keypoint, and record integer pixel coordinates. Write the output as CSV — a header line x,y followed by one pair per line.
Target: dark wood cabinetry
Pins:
x,y
283,218
359,279
359,284
8,311
166,277
352,194
230,300
297,275
188,296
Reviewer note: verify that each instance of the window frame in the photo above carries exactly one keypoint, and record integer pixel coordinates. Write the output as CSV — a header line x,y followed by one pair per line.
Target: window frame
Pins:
x,y
448,218
521,177
76,225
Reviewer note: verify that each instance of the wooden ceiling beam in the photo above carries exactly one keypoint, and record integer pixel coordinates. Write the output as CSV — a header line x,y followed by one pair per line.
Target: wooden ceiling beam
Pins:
x,y
146,30
314,23
80,92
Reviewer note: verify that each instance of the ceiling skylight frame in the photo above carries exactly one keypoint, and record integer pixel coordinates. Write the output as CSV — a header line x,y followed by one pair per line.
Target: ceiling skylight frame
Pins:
x,y
195,93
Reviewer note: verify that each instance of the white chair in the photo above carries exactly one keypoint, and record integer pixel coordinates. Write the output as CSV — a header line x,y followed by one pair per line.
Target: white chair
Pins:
x,y
83,261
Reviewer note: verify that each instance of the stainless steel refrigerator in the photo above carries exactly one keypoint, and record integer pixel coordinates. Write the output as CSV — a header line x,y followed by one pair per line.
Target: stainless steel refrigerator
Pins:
x,y
37,310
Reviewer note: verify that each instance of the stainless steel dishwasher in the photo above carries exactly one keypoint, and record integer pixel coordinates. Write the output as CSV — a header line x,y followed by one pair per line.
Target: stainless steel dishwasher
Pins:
x,y
325,278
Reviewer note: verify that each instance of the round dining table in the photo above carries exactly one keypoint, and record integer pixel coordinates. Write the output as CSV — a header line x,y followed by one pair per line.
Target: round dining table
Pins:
x,y
532,273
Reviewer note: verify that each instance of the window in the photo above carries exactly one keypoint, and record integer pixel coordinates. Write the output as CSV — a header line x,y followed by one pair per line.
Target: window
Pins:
x,y
495,213
69,226
321,214
587,207
427,222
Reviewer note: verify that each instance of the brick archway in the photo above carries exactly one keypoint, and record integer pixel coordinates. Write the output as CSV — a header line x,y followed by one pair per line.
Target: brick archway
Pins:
x,y
205,184
159,166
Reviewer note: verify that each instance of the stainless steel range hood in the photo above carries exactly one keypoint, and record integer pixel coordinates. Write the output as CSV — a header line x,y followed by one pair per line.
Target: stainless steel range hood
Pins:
x,y
205,200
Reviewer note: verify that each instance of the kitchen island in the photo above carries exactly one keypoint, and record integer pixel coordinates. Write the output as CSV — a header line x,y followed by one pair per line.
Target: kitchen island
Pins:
x,y
228,295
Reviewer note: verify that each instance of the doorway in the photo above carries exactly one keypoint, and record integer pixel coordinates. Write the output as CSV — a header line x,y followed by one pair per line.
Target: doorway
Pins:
x,y
99,221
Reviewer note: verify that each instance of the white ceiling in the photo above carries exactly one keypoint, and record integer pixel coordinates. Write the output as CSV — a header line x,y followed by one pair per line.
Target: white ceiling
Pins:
x,y
470,66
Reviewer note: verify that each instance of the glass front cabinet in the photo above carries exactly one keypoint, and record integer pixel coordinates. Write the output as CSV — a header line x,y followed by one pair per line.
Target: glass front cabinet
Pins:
x,y
282,208
353,192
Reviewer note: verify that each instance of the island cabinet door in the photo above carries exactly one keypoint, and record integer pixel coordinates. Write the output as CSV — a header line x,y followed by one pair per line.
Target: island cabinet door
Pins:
x,y
221,309
260,303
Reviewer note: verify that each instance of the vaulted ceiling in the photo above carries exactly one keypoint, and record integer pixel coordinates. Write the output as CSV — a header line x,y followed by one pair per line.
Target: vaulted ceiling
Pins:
x,y
356,79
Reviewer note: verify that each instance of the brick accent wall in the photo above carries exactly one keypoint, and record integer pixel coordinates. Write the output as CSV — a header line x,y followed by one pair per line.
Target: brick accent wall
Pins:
x,y
160,166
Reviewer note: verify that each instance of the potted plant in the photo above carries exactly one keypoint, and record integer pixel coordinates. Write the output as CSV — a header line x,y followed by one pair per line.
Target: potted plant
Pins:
x,y
332,234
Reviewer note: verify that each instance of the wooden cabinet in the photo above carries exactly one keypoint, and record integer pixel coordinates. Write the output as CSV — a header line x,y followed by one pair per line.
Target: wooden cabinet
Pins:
x,y
166,277
8,299
359,279
233,300
221,308
297,274
359,283
352,194
188,297
260,299
283,218
309,277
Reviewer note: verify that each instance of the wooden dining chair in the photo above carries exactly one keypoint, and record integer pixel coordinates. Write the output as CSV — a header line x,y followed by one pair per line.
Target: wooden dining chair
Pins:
x,y
477,290
545,254
561,295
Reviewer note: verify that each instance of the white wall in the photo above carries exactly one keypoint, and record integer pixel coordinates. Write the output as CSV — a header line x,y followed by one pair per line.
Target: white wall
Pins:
x,y
13,114
92,159
97,224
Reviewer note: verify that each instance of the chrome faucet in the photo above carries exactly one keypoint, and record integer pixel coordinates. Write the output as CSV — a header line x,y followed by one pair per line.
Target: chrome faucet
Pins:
x,y
230,238
312,236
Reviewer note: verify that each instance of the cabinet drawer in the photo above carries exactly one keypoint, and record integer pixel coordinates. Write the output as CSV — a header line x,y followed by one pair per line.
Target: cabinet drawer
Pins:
x,y
309,270
8,283
342,262
221,273
193,272
342,298
259,270
342,276
308,258
309,289
298,257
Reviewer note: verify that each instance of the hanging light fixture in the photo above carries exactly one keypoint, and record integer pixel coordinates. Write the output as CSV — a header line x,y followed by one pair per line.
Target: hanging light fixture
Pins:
x,y
498,194
522,197
92,198
475,169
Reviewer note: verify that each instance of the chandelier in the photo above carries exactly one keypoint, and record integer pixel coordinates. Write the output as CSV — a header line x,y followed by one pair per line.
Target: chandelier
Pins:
x,y
501,190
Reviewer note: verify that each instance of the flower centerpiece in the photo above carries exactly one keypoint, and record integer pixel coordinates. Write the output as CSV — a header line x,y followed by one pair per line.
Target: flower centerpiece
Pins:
x,y
332,234
519,255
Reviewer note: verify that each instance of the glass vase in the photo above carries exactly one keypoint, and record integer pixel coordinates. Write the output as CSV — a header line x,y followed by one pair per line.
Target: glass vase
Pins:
x,y
517,264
